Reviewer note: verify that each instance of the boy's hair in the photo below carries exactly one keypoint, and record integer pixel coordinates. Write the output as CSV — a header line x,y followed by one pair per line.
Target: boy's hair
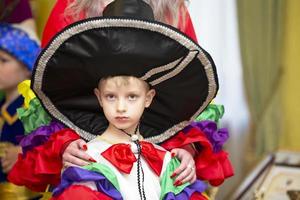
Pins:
x,y
19,42
123,80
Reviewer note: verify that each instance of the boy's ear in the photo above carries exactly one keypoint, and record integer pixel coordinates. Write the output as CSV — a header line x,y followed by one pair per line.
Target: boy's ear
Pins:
x,y
97,93
149,97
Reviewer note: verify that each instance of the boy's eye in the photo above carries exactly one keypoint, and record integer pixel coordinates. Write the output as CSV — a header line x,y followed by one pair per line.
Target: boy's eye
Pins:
x,y
110,97
132,97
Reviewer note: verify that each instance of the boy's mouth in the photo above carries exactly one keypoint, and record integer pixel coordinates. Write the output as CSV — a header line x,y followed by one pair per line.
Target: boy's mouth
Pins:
x,y
121,118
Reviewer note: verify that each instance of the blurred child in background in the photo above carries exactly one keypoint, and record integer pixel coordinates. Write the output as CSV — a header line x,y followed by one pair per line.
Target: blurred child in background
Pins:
x,y
19,48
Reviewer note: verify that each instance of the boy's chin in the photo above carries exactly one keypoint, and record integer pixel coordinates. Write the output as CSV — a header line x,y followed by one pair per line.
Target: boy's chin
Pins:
x,y
124,127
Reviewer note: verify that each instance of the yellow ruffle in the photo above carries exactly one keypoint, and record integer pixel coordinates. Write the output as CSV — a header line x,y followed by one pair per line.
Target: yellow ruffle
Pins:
x,y
26,92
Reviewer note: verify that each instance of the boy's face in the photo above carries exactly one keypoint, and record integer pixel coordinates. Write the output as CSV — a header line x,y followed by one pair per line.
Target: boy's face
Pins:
x,y
12,72
124,104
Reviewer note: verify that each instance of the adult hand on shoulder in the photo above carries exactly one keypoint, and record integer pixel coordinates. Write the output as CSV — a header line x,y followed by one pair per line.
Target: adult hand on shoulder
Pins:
x,y
10,157
75,154
186,172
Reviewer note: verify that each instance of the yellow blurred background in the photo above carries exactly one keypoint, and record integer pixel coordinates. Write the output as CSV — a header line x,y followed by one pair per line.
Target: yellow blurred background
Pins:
x,y
41,10
290,90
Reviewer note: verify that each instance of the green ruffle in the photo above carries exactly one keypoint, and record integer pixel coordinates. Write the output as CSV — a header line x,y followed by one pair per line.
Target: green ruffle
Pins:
x,y
166,181
34,116
212,112
106,171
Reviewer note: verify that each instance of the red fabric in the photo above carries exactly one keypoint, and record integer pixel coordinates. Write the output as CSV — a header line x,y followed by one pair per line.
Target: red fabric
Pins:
x,y
42,165
210,166
57,21
122,157
153,156
198,196
187,26
80,192
182,139
214,167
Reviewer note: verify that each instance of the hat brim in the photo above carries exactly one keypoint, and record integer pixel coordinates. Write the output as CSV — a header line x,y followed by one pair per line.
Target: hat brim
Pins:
x,y
69,68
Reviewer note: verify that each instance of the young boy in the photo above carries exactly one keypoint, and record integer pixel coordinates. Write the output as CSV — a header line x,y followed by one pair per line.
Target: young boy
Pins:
x,y
18,50
143,170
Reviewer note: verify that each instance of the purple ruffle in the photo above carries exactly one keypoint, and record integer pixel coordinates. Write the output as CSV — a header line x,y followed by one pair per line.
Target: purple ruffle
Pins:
x,y
40,136
217,137
76,174
186,193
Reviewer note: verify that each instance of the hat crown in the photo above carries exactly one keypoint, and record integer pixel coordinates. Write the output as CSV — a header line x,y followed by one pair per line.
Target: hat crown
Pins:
x,y
129,8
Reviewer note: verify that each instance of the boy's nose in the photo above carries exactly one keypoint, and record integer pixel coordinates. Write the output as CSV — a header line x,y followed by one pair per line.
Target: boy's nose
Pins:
x,y
121,106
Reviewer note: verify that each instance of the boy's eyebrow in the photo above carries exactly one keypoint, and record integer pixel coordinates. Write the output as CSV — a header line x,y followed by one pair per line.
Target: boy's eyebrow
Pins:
x,y
133,91
108,91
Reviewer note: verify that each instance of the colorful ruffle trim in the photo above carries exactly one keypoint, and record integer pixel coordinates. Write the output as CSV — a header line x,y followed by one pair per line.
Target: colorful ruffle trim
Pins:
x,y
42,165
40,136
82,192
33,114
217,137
37,123
185,191
212,112
79,192
105,186
212,163
26,92
76,174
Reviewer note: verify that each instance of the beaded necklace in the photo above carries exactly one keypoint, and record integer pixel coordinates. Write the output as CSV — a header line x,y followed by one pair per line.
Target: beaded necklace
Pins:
x,y
140,172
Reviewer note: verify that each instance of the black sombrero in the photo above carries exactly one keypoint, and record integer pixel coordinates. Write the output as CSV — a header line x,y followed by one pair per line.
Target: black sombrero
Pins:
x,y
126,41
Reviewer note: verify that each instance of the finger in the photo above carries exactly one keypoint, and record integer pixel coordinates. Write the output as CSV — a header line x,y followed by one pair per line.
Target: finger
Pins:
x,y
68,164
174,153
80,154
74,160
186,173
183,165
194,179
82,145
181,153
190,178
